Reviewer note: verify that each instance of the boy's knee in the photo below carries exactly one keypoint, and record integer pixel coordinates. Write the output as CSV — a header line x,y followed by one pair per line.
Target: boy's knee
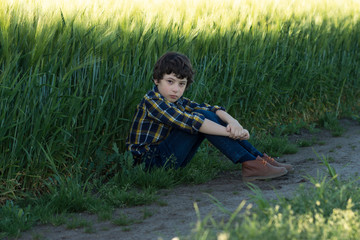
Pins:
x,y
207,114
210,115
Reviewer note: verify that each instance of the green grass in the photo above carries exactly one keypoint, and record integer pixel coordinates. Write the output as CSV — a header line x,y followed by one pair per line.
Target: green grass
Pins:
x,y
330,122
71,74
274,145
129,187
328,209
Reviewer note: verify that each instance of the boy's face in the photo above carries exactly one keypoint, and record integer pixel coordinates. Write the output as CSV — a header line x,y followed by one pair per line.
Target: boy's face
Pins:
x,y
171,87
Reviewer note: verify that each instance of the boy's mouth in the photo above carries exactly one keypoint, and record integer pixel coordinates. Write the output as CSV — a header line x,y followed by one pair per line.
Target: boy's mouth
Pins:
x,y
173,97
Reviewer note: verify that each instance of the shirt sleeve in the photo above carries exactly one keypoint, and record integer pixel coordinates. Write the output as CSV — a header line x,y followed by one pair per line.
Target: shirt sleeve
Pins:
x,y
190,106
169,114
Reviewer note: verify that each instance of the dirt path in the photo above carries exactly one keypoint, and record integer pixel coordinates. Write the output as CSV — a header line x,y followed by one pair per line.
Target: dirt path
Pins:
x,y
174,215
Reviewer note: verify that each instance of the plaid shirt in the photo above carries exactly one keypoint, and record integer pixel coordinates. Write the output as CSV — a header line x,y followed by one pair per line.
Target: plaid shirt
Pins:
x,y
155,117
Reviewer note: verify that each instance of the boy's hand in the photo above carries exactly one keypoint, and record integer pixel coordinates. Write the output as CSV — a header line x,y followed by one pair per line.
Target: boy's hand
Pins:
x,y
236,131
245,135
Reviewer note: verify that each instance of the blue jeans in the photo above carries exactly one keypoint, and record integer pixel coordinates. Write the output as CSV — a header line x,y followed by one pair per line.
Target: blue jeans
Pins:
x,y
179,147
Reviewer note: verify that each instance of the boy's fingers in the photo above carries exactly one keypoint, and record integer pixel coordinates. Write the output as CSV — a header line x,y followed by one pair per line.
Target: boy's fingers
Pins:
x,y
228,128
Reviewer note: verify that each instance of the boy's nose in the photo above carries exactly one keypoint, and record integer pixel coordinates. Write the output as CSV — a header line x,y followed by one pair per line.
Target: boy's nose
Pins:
x,y
175,89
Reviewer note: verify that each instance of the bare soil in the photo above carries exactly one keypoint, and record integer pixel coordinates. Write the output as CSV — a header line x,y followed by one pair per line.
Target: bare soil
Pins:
x,y
173,215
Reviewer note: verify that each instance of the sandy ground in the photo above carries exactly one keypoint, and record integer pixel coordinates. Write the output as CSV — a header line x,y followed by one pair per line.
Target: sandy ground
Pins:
x,y
174,215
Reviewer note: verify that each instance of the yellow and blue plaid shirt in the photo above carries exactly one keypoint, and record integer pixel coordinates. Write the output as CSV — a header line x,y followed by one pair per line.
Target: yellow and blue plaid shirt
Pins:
x,y
155,117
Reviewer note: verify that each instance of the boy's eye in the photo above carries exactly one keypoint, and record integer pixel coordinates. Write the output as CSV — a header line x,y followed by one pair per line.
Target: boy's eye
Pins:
x,y
182,84
170,81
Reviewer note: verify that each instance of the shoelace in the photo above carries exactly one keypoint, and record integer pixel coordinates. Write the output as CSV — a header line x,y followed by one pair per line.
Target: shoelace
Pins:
x,y
264,162
270,159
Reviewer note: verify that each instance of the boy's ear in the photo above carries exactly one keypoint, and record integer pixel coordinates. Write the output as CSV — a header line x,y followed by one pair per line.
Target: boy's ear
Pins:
x,y
156,81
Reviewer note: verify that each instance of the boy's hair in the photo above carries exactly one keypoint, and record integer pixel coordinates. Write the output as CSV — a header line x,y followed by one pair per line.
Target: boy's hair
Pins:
x,y
173,62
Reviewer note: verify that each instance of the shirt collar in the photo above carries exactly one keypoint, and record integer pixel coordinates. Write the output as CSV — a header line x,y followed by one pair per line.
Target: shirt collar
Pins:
x,y
155,89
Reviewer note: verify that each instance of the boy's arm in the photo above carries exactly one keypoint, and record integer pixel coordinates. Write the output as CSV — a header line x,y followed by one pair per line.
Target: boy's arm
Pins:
x,y
227,118
165,113
233,126
212,128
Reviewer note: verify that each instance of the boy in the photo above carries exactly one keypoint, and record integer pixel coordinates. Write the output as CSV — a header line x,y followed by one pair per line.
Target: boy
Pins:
x,y
168,128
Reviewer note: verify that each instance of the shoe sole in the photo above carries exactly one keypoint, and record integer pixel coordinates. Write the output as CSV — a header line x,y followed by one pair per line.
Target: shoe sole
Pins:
x,y
288,169
249,179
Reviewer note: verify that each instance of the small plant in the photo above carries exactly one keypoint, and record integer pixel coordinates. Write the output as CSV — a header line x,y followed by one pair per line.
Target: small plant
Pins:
x,y
329,121
55,219
162,203
15,219
147,213
37,236
89,229
105,214
77,222
258,197
331,170
123,220
306,143
126,229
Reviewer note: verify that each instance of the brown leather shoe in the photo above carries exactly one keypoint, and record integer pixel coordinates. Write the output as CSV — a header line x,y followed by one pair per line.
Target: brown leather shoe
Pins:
x,y
260,169
273,162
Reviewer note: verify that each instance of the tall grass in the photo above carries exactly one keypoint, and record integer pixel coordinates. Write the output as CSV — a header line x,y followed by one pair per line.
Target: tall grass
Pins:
x,y
72,72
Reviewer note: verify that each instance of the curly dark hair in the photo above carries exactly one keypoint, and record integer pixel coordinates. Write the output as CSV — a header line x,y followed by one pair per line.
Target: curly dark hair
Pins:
x,y
173,62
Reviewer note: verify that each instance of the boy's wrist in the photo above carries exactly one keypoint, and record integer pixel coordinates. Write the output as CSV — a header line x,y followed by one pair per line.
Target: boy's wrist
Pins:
x,y
234,121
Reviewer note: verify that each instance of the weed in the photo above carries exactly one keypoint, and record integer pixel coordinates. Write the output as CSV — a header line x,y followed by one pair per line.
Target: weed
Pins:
x,y
329,121
331,170
56,219
105,214
162,203
89,229
15,219
37,236
123,220
147,213
78,222
306,143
